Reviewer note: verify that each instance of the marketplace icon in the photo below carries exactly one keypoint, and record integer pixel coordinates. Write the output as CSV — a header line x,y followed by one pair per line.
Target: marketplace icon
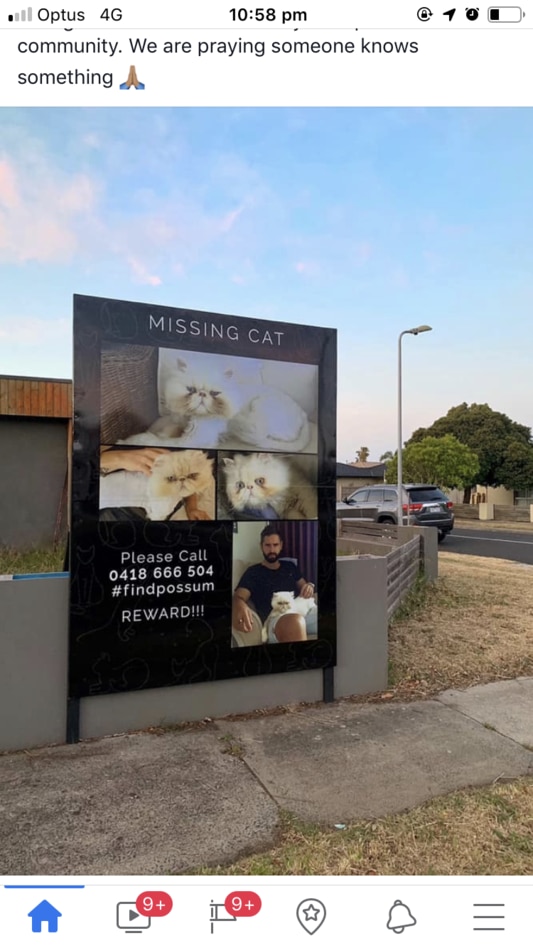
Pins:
x,y
132,80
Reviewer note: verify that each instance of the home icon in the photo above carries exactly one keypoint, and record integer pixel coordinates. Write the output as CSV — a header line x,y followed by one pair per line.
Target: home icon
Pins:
x,y
44,912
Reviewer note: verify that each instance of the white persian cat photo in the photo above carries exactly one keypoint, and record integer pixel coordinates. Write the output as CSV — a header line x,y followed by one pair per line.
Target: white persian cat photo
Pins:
x,y
182,476
285,603
181,486
265,486
206,405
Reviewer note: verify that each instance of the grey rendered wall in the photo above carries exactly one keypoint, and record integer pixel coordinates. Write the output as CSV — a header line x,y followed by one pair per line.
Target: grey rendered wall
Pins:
x,y
32,475
362,626
33,662
33,666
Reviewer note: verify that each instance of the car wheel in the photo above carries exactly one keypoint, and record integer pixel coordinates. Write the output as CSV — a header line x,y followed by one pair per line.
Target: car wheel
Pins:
x,y
386,520
442,536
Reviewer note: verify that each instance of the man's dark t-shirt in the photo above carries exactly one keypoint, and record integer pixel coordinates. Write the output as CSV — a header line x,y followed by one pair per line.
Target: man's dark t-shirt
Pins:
x,y
262,582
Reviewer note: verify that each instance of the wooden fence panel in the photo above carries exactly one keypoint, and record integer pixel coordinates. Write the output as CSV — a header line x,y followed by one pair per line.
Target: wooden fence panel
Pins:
x,y
404,559
403,567
512,514
466,511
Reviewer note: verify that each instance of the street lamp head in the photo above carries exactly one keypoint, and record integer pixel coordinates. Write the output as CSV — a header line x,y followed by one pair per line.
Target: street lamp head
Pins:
x,y
418,329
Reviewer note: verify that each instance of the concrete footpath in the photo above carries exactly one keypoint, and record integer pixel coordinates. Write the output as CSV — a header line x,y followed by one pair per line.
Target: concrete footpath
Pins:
x,y
173,801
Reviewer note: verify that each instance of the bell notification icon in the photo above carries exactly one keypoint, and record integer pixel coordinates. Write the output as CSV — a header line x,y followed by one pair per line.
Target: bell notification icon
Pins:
x,y
400,917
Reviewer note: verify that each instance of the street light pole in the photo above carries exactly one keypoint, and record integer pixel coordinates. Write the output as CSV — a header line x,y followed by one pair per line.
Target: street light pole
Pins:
x,y
406,332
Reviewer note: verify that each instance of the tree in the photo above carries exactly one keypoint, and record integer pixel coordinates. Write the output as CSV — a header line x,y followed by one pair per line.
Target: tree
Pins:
x,y
516,471
387,456
441,461
486,432
362,454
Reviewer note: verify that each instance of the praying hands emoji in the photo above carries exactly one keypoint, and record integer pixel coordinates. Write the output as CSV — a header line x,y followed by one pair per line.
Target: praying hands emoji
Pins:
x,y
132,80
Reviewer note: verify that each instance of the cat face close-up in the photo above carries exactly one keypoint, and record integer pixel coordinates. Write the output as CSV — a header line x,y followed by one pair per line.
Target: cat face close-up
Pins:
x,y
255,480
179,474
282,601
200,391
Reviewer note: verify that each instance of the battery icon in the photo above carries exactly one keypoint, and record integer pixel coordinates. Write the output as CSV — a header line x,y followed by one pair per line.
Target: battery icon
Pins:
x,y
505,14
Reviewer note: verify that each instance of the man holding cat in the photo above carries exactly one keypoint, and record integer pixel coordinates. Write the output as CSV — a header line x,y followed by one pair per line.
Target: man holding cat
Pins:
x,y
259,583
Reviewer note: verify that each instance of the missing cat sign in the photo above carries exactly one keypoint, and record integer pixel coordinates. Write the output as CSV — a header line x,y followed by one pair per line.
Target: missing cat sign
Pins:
x,y
203,497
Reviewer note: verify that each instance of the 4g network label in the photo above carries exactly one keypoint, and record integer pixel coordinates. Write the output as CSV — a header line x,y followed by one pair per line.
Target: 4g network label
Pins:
x,y
194,433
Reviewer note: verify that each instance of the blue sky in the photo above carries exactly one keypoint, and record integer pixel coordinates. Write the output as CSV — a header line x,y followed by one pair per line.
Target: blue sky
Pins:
x,y
367,220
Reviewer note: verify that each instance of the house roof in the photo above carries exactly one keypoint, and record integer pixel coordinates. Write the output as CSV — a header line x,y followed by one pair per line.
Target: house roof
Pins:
x,y
362,469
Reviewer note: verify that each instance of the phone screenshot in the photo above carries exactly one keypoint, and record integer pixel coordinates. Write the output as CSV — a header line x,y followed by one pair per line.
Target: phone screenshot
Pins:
x,y
266,479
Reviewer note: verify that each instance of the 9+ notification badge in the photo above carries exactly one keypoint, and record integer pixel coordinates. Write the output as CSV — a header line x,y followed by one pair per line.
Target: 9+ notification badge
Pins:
x,y
136,916
236,905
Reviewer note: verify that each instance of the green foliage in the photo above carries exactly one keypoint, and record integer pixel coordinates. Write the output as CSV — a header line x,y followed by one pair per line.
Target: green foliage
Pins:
x,y
516,471
362,454
442,461
486,432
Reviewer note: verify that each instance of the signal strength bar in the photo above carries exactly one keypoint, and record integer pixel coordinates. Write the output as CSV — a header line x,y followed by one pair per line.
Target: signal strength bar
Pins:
x,y
23,17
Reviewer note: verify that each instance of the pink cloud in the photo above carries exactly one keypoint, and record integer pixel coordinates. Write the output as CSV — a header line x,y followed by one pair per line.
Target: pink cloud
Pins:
x,y
9,196
158,230
229,219
44,215
142,273
79,195
52,216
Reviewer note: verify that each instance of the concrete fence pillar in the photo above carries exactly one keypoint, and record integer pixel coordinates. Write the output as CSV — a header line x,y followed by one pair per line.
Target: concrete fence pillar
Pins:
x,y
486,511
362,626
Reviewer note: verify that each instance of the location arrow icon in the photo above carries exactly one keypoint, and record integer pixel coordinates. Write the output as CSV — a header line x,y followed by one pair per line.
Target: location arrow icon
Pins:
x,y
450,14
311,914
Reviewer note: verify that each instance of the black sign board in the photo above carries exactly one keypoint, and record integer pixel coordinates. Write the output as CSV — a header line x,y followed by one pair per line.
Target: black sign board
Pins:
x,y
203,463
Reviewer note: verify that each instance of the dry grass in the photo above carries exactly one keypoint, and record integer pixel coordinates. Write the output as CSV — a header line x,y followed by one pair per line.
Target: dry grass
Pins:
x,y
474,832
474,625
498,526
48,560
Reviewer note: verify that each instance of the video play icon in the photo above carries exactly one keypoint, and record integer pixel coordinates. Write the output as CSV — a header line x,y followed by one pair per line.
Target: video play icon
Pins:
x,y
128,917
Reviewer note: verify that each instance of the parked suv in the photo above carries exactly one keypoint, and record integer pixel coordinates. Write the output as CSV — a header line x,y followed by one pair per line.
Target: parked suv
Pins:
x,y
424,505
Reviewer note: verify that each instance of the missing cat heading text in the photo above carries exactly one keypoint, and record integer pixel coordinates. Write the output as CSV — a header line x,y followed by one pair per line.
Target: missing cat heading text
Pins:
x,y
211,330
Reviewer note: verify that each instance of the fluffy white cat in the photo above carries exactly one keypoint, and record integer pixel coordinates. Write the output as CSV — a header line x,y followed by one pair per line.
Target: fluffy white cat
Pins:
x,y
207,406
266,486
179,479
283,604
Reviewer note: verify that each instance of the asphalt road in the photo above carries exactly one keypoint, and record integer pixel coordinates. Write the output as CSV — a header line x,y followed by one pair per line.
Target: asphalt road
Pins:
x,y
504,545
